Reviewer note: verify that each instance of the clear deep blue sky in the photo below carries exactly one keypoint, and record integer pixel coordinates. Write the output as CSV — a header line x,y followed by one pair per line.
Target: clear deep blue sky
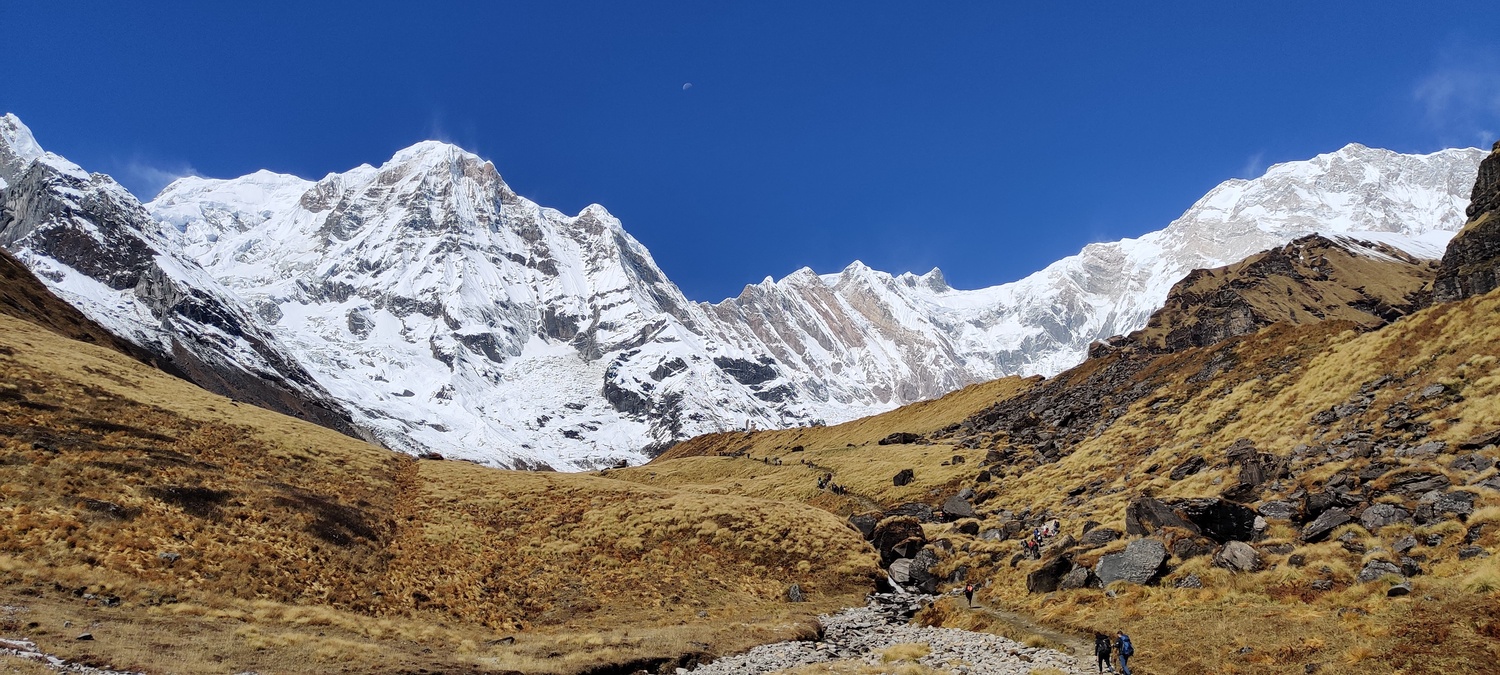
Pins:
x,y
985,138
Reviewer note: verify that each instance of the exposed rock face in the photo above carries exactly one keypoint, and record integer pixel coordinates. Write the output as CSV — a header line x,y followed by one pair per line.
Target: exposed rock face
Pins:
x,y
899,537
101,250
1314,278
1471,266
1139,563
1049,576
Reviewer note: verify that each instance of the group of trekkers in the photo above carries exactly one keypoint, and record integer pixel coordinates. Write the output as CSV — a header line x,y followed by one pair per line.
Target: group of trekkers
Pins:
x,y
825,482
1039,536
1120,647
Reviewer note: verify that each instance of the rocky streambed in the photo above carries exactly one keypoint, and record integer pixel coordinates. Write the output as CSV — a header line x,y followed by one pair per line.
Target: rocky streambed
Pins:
x,y
861,635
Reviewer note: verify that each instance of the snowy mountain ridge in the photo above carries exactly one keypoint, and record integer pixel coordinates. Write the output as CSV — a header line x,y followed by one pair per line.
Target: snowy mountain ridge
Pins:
x,y
437,310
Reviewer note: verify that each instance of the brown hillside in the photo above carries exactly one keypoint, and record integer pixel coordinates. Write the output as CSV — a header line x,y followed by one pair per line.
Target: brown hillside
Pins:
x,y
1311,279
189,533
1290,421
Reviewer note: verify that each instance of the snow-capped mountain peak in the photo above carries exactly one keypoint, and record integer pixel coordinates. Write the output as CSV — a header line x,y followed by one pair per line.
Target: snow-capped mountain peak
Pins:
x,y
439,311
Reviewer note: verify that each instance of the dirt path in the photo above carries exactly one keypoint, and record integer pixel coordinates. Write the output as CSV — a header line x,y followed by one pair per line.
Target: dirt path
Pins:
x,y
1077,645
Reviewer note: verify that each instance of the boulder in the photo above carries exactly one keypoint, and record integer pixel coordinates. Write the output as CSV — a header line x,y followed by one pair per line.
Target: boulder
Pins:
x,y
969,527
865,523
1099,536
1185,548
900,438
898,537
921,571
1380,515
1237,556
1048,576
1472,552
1472,463
1481,441
1080,577
1145,515
1404,544
1140,563
1377,569
1218,519
992,534
957,507
1189,467
983,477
794,594
1438,505
1190,581
1280,510
900,571
1413,483
916,510
903,478
1318,529
1403,588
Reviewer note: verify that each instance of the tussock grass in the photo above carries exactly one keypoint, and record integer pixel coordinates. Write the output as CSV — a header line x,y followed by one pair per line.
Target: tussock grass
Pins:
x,y
184,527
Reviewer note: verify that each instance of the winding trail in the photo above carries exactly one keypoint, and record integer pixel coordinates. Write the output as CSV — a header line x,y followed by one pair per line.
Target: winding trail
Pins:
x,y
1077,645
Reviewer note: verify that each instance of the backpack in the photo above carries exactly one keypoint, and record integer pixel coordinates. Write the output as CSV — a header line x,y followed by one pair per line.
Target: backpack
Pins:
x,y
1125,647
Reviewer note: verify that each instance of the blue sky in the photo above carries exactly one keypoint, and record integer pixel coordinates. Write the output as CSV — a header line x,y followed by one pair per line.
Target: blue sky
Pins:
x,y
985,138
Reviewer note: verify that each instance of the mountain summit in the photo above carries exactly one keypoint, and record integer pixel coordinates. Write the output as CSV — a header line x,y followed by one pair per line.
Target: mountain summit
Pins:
x,y
424,305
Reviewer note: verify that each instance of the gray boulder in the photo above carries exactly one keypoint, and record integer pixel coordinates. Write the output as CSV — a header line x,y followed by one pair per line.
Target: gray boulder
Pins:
x,y
921,571
1404,544
1237,556
957,507
1190,581
1403,588
1377,569
1318,529
1139,563
900,571
1438,505
904,477
1380,515
1144,515
1080,577
1413,483
1279,510
794,594
1473,463
1099,536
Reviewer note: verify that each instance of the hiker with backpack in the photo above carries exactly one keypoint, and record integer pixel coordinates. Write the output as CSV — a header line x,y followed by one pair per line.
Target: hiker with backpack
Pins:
x,y
1102,652
1125,649
969,594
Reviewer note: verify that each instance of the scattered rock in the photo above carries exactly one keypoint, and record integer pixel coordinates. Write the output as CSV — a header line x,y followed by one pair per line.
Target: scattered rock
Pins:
x,y
1322,585
1237,556
1190,581
1433,391
1099,536
85,636
969,527
1192,547
1279,510
1481,441
1381,515
905,477
1404,544
1318,529
1437,505
983,477
1139,563
1377,569
1187,468
900,438
1468,552
1403,588
794,594
1413,483
1472,463
1296,560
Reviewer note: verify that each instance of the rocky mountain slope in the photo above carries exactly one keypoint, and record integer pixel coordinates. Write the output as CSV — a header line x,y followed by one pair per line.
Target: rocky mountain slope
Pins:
x,y
1471,265
435,309
1319,494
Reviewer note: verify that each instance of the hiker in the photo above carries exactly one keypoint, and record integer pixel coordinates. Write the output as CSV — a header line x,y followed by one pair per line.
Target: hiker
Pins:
x,y
1125,649
1102,651
969,594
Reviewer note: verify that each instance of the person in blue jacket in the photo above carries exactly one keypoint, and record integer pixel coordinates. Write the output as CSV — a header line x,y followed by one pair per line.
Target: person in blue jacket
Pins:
x,y
1125,650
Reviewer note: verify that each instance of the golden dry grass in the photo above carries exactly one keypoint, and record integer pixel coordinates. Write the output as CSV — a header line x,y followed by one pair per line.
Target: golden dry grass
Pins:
x,y
1264,622
198,535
